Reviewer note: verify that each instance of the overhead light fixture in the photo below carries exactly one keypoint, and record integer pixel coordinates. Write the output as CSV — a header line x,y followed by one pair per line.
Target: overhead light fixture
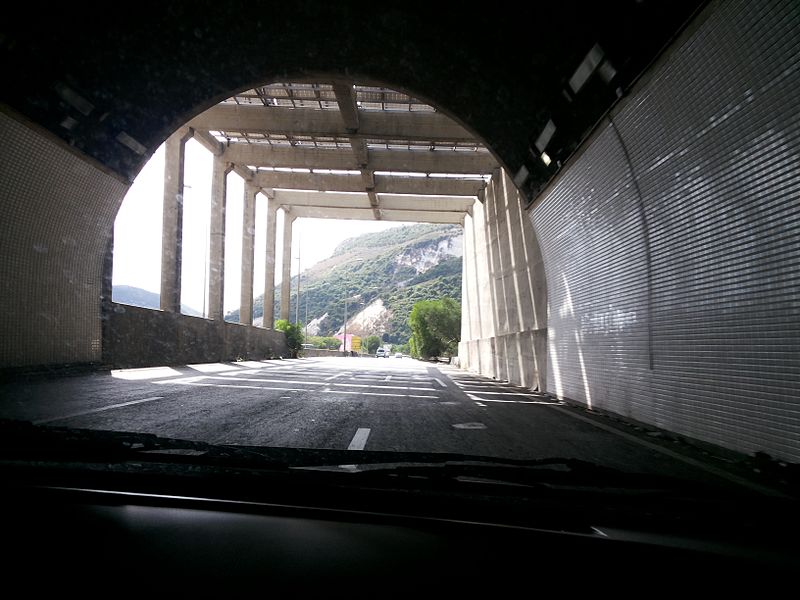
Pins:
x,y
546,159
592,60
545,136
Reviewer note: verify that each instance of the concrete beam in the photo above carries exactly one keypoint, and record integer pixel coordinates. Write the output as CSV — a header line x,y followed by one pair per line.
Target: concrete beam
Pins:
x,y
208,141
382,184
374,204
367,214
348,110
413,126
360,152
364,200
368,178
263,155
243,172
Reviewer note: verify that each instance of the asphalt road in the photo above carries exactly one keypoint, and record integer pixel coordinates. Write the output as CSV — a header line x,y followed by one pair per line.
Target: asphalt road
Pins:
x,y
341,403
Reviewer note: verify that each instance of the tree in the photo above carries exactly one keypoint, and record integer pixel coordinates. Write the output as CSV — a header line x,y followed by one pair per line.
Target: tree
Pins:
x,y
435,327
294,335
372,344
328,343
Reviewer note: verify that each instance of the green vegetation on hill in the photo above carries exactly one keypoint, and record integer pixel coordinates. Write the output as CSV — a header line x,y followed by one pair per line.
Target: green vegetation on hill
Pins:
x,y
368,266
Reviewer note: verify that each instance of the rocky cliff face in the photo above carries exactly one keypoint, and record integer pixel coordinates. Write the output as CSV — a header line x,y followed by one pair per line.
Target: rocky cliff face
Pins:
x,y
425,256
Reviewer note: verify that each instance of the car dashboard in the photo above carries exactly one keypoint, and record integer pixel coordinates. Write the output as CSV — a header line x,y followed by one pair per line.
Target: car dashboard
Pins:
x,y
156,525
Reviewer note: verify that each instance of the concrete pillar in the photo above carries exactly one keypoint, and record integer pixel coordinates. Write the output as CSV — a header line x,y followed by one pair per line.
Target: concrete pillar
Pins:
x,y
269,270
465,296
172,223
248,254
216,248
286,285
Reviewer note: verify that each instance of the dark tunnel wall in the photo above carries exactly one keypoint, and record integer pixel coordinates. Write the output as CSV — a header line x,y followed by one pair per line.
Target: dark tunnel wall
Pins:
x,y
671,244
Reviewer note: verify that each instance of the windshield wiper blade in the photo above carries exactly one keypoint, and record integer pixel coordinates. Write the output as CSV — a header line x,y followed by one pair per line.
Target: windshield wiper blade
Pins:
x,y
23,440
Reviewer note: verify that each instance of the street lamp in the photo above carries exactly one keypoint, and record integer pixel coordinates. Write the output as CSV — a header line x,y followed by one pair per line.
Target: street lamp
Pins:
x,y
346,298
297,300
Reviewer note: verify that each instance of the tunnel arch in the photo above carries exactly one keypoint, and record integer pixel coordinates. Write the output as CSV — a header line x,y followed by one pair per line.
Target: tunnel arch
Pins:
x,y
502,257
92,131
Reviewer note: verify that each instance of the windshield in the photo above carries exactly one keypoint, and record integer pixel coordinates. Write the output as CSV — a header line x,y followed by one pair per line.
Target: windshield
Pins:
x,y
588,261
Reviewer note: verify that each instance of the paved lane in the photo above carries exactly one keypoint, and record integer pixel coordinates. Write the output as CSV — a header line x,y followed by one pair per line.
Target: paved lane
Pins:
x,y
340,403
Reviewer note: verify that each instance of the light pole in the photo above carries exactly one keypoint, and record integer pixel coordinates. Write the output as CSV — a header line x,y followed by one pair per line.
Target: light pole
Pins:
x,y
297,304
346,298
344,340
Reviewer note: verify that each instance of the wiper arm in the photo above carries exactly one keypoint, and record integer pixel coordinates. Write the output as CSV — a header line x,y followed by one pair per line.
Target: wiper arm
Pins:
x,y
21,439
550,471
25,441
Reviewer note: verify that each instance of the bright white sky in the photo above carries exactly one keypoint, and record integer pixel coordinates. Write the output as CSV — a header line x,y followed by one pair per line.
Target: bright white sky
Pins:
x,y
137,232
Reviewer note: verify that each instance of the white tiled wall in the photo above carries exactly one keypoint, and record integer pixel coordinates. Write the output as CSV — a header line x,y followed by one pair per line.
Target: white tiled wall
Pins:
x,y
672,245
53,232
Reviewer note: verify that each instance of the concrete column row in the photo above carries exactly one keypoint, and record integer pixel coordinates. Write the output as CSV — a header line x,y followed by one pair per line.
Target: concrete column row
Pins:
x,y
172,237
504,301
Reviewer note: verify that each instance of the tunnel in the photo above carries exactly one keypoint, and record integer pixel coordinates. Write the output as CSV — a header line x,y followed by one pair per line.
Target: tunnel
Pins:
x,y
635,250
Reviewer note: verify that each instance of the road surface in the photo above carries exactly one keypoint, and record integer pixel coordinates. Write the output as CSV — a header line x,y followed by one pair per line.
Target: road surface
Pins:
x,y
392,403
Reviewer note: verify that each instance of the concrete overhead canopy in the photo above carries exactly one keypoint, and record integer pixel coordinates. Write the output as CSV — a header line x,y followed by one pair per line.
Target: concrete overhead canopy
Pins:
x,y
337,149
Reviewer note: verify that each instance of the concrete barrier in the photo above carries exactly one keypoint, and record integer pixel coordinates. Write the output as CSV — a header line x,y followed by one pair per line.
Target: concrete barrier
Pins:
x,y
142,337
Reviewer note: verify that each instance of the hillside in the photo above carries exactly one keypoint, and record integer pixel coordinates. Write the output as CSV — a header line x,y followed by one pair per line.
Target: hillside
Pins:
x,y
388,271
135,296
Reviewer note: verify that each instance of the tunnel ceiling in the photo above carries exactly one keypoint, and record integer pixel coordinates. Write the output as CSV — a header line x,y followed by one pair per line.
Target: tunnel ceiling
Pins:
x,y
113,84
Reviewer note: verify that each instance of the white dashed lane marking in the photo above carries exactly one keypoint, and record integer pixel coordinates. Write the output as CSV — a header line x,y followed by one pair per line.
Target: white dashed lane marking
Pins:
x,y
359,439
97,410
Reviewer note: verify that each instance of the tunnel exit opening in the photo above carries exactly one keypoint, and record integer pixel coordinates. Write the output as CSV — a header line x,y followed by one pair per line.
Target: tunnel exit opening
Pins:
x,y
305,151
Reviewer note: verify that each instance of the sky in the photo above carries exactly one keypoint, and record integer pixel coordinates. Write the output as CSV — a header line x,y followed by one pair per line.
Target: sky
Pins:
x,y
137,233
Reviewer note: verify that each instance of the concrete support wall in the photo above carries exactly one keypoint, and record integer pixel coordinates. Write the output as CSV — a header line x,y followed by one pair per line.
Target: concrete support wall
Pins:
x,y
286,286
671,242
216,242
54,233
269,265
248,253
140,337
504,294
172,221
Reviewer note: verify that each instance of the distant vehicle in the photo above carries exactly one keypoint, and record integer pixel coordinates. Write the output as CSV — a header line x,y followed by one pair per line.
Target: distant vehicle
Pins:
x,y
398,355
307,346
380,353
